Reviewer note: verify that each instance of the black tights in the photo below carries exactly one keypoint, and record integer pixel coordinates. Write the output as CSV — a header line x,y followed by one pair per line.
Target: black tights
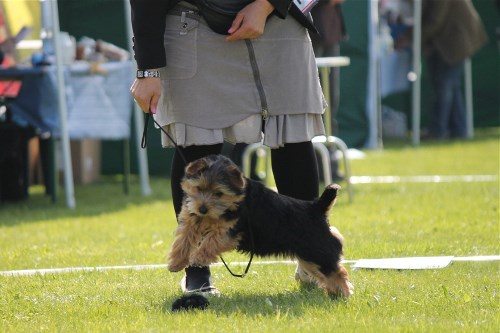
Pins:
x,y
294,166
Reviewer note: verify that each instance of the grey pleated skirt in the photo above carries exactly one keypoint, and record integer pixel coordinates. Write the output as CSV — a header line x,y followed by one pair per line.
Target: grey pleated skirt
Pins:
x,y
260,90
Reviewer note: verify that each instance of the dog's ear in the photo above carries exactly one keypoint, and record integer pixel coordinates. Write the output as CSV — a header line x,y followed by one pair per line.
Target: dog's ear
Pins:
x,y
236,175
196,167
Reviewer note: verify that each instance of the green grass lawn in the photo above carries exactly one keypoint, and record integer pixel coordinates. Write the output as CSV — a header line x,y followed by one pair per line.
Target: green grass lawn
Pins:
x,y
108,228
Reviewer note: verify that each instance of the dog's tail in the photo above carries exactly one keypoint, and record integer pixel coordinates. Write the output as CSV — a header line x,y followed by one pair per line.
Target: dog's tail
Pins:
x,y
327,199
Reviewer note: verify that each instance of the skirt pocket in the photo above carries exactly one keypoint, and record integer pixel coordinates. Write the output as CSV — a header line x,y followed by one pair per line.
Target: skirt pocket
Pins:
x,y
180,46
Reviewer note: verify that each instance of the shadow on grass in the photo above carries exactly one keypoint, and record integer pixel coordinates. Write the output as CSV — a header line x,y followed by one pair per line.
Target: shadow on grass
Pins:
x,y
105,196
291,303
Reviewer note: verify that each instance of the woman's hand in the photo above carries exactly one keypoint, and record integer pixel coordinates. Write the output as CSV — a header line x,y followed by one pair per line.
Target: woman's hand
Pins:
x,y
146,93
250,21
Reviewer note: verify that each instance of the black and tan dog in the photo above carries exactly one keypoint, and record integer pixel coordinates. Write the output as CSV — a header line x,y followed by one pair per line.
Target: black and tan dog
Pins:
x,y
222,211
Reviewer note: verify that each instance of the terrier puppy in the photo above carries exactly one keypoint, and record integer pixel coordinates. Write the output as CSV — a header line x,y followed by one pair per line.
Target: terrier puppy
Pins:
x,y
222,211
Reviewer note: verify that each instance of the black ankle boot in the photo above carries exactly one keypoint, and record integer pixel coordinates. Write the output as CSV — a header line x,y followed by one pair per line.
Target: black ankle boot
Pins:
x,y
197,280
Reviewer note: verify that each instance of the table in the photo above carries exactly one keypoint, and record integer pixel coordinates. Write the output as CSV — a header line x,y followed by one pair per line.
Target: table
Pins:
x,y
99,104
28,111
325,64
97,95
31,107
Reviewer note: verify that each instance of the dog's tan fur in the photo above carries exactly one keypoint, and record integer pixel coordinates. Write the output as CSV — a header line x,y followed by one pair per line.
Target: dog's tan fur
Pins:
x,y
210,223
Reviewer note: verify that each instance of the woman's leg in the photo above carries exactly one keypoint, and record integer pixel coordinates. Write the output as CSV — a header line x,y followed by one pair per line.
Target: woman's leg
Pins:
x,y
296,170
448,105
197,278
458,121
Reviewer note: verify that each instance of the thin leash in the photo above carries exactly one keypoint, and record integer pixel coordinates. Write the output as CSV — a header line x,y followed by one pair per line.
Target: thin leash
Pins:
x,y
144,143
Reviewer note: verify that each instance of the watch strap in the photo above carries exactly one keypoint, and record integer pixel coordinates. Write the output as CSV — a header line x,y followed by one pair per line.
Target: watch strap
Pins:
x,y
144,73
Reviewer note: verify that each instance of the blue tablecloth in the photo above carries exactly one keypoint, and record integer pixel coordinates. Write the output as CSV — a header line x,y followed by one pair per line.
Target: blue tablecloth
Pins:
x,y
99,105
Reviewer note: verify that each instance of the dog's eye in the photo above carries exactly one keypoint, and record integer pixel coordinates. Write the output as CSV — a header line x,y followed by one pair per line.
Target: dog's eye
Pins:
x,y
198,188
218,194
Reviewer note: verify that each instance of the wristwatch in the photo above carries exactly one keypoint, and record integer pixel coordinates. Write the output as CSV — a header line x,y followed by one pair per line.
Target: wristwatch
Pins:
x,y
143,73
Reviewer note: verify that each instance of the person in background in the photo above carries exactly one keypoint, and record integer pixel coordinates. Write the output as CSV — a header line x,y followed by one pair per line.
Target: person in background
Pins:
x,y
258,82
452,31
328,18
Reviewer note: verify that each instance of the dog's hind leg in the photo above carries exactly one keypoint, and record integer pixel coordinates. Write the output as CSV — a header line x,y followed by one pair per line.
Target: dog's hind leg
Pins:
x,y
335,283
309,272
338,284
301,275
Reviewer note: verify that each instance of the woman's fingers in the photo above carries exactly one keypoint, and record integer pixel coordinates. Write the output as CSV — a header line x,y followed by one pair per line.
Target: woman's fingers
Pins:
x,y
146,93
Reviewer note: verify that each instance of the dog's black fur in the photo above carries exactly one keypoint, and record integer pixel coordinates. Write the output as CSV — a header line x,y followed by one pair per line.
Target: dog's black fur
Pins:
x,y
223,210
281,225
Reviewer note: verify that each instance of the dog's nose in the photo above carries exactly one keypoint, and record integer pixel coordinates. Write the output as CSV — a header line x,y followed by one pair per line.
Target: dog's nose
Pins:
x,y
203,209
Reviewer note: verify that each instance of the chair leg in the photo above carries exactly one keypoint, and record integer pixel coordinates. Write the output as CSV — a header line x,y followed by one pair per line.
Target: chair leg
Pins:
x,y
325,161
319,147
347,166
251,149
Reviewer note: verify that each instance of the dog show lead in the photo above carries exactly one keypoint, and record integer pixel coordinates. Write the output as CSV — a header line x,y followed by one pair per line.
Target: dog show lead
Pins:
x,y
144,145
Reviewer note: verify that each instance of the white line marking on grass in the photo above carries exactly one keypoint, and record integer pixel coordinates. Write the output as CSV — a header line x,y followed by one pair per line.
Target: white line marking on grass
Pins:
x,y
404,263
422,179
477,258
43,271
